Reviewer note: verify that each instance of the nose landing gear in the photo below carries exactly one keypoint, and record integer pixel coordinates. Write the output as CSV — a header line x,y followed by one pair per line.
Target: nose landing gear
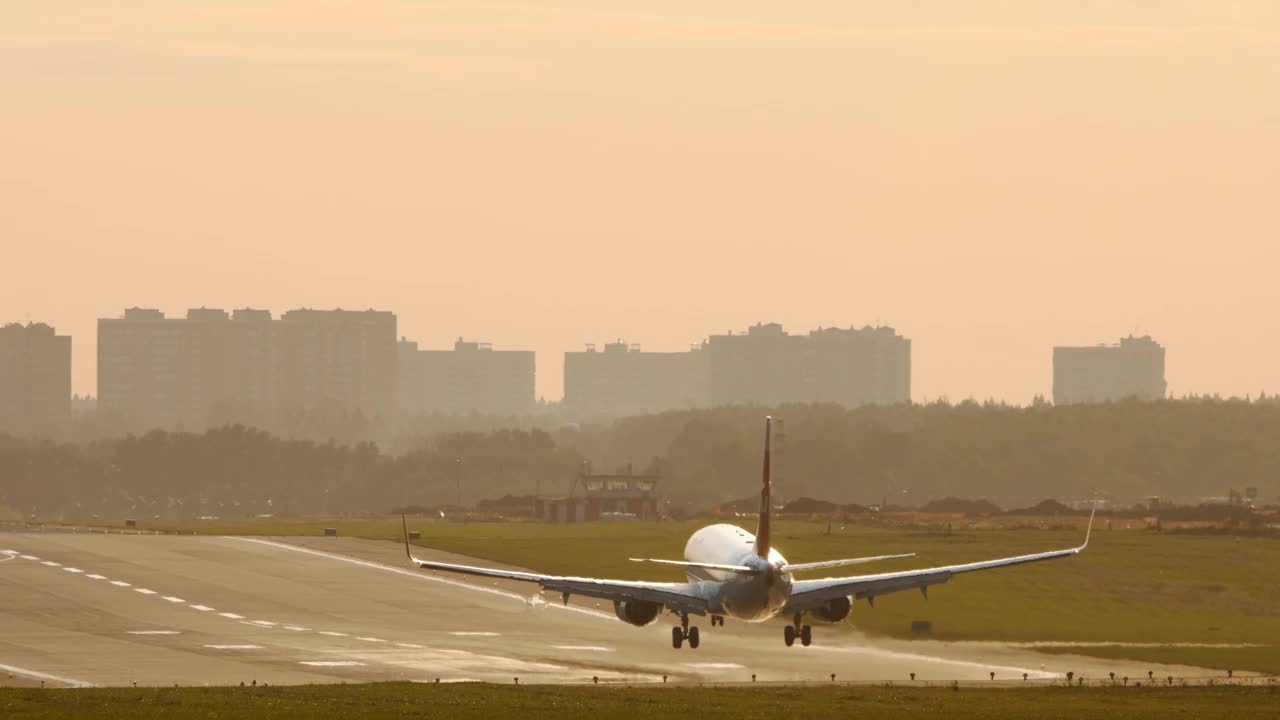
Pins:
x,y
796,631
683,633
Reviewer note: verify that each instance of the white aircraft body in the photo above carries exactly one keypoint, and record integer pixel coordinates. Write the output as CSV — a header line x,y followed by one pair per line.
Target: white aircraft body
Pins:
x,y
732,573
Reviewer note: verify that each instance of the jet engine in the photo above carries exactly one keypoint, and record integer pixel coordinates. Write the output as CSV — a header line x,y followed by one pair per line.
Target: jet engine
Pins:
x,y
833,610
637,612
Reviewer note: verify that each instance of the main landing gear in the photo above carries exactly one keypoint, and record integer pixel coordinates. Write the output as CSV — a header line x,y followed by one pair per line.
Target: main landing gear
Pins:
x,y
795,630
684,632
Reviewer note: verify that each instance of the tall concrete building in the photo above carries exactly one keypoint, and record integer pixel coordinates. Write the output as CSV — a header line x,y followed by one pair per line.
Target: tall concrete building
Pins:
x,y
764,365
337,359
209,367
470,378
852,367
1132,368
212,367
35,379
624,380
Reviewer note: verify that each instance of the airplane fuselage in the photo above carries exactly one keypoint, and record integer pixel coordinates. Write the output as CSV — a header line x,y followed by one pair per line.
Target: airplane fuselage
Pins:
x,y
747,597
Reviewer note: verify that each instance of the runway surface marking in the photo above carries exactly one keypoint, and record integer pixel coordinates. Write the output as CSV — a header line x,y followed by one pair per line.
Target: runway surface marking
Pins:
x,y
371,639
51,563
201,608
154,632
295,628
934,660
474,633
583,648
411,646
44,676
261,623
234,647
120,583
173,599
144,591
232,616
96,577
420,575
331,633
332,663
29,557
73,570
714,665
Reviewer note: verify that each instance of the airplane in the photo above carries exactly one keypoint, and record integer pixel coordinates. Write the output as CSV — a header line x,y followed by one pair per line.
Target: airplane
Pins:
x,y
732,573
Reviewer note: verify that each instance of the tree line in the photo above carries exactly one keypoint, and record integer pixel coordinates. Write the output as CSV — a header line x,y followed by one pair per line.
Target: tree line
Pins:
x,y
904,455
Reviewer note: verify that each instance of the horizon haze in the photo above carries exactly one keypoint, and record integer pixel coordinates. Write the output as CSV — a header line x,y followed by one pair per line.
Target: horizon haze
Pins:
x,y
991,182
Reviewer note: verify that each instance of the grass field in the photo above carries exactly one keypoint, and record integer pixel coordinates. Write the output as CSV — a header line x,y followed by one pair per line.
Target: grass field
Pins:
x,y
1130,586
402,700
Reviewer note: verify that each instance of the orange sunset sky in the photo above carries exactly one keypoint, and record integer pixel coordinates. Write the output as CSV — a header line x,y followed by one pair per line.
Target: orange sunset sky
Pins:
x,y
991,177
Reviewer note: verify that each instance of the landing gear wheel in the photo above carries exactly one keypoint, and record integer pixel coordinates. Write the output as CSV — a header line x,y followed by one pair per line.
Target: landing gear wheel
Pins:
x,y
693,638
806,636
789,635
677,637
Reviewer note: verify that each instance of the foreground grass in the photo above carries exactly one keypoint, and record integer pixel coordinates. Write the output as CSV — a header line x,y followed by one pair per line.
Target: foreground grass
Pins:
x,y
401,700
1130,586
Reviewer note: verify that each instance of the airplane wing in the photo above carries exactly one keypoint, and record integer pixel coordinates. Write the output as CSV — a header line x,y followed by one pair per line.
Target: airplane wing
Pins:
x,y
807,595
679,597
801,567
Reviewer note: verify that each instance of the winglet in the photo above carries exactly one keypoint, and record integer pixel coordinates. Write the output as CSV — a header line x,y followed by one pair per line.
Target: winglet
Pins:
x,y
763,535
405,523
1089,531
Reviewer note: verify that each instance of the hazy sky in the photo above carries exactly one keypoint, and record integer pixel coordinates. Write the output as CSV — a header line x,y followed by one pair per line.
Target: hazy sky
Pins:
x,y
991,178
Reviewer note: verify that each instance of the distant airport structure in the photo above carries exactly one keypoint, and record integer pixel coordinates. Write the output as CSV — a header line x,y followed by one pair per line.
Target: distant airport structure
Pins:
x,y
35,378
765,365
470,378
1132,368
214,366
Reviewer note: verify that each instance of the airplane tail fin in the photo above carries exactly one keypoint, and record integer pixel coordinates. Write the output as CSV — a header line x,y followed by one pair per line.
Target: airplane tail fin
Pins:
x,y
764,539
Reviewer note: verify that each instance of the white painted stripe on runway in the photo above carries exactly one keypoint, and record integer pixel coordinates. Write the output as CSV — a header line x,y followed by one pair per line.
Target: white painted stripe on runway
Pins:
x,y
73,570
51,563
28,557
411,646
44,676
173,599
144,591
295,628
201,608
153,632
9,552
585,648
331,633
371,639
120,583
261,623
233,616
421,576
715,666
234,647
470,633
877,652
96,577
332,663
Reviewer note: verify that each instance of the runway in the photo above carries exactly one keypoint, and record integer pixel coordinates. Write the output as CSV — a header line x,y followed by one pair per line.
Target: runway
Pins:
x,y
113,610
